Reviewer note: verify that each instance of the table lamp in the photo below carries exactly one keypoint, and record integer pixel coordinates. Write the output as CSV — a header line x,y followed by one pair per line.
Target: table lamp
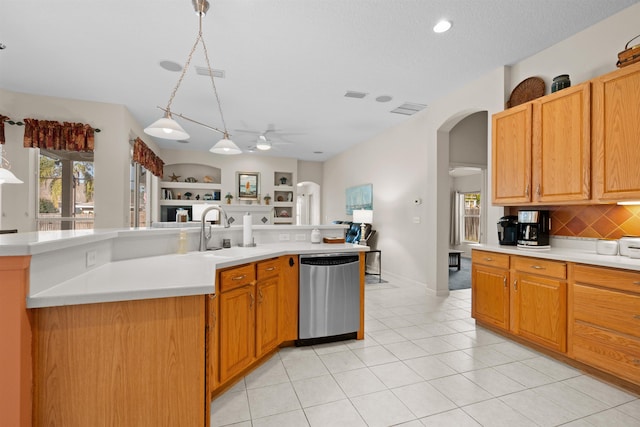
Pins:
x,y
364,217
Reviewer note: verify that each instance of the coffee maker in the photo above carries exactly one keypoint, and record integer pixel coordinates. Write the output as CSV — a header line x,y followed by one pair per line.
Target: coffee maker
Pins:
x,y
533,229
508,230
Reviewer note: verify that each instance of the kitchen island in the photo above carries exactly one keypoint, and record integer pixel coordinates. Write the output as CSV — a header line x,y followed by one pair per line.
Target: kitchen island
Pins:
x,y
122,331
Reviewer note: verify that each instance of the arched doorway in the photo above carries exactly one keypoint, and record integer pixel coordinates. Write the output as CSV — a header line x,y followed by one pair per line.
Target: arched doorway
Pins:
x,y
308,203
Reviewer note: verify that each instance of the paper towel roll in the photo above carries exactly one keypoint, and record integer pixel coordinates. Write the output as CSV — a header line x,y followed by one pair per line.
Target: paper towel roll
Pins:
x,y
247,239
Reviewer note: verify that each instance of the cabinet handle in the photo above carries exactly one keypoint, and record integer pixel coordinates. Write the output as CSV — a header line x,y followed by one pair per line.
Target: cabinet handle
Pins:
x,y
239,277
260,296
252,300
488,259
504,281
538,190
515,284
636,282
538,267
526,191
270,269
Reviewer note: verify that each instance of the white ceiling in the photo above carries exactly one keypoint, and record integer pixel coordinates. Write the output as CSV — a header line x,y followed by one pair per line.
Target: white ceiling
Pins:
x,y
288,63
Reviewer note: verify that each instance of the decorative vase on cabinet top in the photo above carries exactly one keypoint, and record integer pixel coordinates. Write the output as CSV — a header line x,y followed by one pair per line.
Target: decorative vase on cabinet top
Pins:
x,y
560,82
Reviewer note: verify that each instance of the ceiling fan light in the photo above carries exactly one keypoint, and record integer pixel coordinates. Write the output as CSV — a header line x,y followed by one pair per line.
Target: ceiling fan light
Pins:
x,y
263,144
225,146
166,128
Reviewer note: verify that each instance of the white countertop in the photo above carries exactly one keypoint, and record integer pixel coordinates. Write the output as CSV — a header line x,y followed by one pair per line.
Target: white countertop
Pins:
x,y
166,275
582,256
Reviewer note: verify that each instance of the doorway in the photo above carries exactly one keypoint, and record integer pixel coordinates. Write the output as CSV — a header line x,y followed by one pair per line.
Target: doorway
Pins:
x,y
308,203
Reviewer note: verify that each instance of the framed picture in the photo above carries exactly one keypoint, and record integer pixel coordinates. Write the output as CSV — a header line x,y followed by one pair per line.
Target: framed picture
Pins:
x,y
359,197
248,184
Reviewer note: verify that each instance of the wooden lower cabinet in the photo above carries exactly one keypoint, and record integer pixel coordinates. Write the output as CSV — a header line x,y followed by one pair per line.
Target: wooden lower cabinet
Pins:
x,y
267,290
605,320
236,322
129,363
490,288
506,294
288,307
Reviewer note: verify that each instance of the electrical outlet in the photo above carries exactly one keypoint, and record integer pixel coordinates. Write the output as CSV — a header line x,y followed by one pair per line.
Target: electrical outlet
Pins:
x,y
91,258
284,237
300,237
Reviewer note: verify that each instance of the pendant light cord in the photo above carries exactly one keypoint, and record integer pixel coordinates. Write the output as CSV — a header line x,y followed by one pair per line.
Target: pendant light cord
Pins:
x,y
186,67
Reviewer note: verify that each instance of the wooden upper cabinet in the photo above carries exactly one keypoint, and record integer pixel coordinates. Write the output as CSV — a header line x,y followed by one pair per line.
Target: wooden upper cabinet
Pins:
x,y
616,134
511,155
562,146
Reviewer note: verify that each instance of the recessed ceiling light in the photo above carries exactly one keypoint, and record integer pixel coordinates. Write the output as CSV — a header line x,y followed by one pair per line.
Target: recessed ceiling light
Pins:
x,y
317,152
183,141
171,66
384,98
355,94
442,26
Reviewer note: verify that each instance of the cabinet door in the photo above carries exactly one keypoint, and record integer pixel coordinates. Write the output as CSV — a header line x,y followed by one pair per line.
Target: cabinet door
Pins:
x,y
540,310
267,315
511,155
288,307
237,330
562,146
616,132
490,295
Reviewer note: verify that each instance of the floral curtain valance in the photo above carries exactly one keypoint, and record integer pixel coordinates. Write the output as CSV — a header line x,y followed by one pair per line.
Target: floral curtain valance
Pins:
x,y
2,119
147,158
53,135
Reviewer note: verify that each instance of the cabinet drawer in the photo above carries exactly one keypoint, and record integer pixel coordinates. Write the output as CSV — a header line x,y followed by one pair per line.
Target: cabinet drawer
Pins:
x,y
490,258
541,267
607,308
623,280
236,277
606,350
268,268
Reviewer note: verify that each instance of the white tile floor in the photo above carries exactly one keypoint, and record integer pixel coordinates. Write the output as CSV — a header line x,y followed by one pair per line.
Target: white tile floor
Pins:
x,y
423,363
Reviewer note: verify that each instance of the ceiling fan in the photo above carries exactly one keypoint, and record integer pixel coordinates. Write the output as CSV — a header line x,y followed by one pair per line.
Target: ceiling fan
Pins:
x,y
263,142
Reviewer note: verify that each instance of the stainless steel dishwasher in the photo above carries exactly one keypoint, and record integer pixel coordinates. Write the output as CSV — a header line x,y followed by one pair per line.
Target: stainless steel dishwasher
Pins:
x,y
329,297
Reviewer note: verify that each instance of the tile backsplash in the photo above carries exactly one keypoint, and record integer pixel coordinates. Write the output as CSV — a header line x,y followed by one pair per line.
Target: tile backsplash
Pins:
x,y
595,221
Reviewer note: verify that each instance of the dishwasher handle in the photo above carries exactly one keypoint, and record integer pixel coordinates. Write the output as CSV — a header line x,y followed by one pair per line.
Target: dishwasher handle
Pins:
x,y
329,259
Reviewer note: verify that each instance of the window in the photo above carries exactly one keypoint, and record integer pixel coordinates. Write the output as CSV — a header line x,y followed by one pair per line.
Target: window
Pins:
x,y
65,190
470,216
139,203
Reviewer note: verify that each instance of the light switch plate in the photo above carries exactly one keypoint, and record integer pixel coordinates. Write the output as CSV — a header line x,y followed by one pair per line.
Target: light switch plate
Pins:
x,y
91,258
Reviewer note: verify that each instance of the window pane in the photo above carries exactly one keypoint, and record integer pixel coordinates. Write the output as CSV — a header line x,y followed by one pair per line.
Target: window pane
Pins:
x,y
472,217
65,191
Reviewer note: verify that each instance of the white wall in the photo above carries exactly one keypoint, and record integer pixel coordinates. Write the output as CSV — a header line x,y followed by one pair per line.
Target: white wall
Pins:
x,y
468,141
111,156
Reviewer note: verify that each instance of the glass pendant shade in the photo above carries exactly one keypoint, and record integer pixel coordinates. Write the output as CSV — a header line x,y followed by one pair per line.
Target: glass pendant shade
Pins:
x,y
166,128
225,146
7,177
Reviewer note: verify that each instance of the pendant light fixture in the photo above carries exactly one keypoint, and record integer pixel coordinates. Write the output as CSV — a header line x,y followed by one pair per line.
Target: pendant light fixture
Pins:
x,y
6,176
166,127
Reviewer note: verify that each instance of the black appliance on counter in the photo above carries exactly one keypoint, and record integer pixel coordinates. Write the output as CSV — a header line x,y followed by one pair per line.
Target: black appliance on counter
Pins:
x,y
508,230
533,229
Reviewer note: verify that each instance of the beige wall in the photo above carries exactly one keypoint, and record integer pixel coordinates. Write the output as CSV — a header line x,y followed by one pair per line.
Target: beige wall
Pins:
x,y
111,160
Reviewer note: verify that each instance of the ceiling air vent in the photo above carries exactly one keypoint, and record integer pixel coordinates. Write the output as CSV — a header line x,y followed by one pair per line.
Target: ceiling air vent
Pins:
x,y
409,108
354,94
204,71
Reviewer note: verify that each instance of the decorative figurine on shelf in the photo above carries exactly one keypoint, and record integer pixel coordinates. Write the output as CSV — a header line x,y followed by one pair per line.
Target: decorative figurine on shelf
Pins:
x,y
228,196
174,177
207,179
190,179
267,199
197,197
179,196
188,195
283,180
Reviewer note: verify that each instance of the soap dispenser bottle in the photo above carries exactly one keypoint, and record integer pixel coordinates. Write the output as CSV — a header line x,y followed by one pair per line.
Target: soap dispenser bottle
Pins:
x,y
315,236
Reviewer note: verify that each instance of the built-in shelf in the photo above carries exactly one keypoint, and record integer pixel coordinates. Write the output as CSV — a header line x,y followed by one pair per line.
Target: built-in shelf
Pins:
x,y
190,185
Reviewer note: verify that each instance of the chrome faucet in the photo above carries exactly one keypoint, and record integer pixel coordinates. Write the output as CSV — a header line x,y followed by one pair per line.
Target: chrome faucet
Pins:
x,y
204,236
